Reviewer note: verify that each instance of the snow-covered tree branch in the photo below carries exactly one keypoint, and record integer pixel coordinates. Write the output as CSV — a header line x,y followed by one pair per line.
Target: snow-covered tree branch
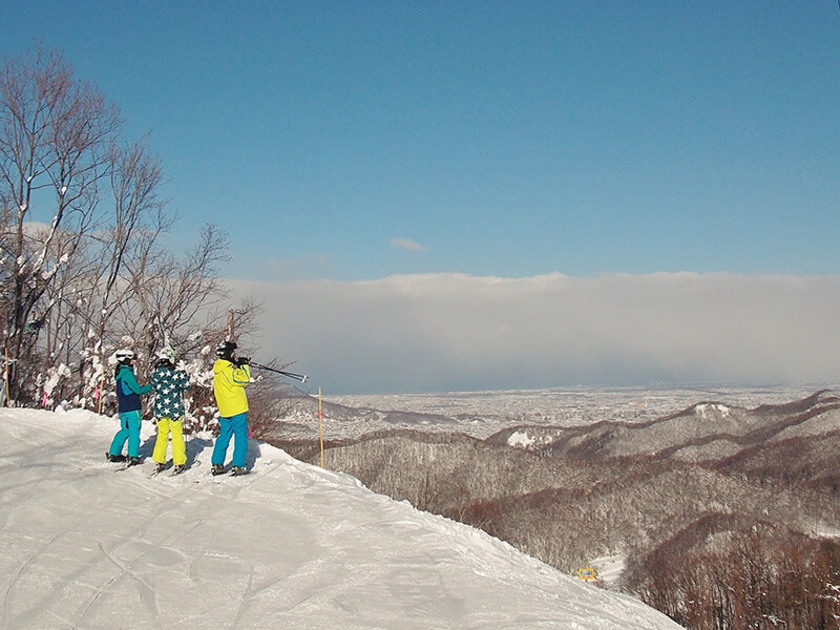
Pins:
x,y
83,265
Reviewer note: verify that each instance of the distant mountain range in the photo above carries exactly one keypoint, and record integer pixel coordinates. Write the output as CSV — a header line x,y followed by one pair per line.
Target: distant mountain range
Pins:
x,y
704,431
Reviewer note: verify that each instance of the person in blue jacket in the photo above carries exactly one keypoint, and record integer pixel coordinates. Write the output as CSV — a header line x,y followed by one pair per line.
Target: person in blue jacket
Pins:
x,y
128,399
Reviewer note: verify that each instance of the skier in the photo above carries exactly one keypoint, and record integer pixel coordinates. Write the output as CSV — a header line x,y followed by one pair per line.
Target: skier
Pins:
x,y
230,378
169,383
128,399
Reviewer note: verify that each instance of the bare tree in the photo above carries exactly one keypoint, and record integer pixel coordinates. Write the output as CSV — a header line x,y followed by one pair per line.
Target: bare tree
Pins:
x,y
83,266
129,238
55,137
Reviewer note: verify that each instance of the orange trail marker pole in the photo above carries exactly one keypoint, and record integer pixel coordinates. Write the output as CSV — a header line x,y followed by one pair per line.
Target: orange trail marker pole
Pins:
x,y
6,377
321,426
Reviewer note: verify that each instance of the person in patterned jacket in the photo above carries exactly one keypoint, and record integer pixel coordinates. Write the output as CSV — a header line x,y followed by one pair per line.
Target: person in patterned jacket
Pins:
x,y
169,384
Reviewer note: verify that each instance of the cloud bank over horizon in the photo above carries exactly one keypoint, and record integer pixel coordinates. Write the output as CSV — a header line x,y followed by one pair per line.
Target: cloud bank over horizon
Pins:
x,y
456,332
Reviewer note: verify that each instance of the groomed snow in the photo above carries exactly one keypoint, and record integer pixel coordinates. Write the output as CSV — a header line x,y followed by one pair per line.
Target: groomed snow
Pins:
x,y
289,546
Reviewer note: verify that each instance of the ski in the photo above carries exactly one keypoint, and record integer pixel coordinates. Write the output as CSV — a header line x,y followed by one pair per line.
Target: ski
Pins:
x,y
298,377
129,464
174,470
178,471
232,471
157,471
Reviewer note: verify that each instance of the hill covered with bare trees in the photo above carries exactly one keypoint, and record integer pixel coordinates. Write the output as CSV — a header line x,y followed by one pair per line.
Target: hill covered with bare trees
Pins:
x,y
720,516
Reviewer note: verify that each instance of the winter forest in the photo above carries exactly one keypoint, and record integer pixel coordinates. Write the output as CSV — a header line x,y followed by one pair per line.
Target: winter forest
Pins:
x,y
86,267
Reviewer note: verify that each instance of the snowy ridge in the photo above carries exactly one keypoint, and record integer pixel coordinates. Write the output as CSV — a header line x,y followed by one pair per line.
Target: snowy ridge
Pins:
x,y
703,431
290,546
712,411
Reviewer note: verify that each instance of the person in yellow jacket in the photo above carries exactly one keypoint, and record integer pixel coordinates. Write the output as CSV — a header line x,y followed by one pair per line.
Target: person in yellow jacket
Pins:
x,y
230,378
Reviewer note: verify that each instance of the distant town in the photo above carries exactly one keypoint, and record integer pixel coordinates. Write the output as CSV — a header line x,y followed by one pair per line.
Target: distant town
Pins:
x,y
483,413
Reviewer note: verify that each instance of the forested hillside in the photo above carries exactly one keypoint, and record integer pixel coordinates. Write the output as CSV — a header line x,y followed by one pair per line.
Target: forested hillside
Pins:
x,y
722,516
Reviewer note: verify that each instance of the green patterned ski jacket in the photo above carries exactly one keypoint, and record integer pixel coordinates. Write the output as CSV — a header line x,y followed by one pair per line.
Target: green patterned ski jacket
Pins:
x,y
168,384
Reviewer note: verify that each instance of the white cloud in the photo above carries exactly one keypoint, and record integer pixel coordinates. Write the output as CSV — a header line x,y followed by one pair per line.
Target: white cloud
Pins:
x,y
407,244
444,332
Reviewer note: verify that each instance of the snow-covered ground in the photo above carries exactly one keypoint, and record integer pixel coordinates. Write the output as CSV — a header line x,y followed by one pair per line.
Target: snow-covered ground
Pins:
x,y
290,546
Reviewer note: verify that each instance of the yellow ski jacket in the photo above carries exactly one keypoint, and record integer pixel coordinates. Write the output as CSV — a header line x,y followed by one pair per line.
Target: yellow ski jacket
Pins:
x,y
229,383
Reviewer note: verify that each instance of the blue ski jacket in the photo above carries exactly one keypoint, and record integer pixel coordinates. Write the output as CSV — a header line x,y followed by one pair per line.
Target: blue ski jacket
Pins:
x,y
128,390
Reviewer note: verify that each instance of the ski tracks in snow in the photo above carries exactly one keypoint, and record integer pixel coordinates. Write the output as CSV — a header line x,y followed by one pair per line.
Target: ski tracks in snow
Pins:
x,y
289,546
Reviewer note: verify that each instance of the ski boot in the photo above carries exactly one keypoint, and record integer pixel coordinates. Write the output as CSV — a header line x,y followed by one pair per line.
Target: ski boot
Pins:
x,y
160,467
238,470
179,469
217,469
133,461
117,459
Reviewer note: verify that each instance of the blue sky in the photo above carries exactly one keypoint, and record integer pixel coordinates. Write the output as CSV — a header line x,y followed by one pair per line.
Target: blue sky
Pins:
x,y
352,141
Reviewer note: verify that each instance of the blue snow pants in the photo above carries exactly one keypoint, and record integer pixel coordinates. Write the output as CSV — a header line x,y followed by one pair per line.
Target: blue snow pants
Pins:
x,y
236,426
130,430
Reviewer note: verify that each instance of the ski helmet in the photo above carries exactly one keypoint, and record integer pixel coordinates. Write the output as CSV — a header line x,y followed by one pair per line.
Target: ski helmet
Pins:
x,y
124,355
166,354
225,349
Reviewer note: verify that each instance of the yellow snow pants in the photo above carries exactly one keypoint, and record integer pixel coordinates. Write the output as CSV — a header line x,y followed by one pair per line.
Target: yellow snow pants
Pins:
x,y
179,449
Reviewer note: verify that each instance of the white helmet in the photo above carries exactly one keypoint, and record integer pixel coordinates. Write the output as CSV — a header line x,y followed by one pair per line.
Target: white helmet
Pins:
x,y
124,354
166,354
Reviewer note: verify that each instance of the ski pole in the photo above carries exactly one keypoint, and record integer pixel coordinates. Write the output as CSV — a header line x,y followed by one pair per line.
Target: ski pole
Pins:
x,y
298,377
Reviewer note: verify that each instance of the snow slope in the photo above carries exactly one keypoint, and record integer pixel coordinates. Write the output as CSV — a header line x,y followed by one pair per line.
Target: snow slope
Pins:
x,y
290,546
